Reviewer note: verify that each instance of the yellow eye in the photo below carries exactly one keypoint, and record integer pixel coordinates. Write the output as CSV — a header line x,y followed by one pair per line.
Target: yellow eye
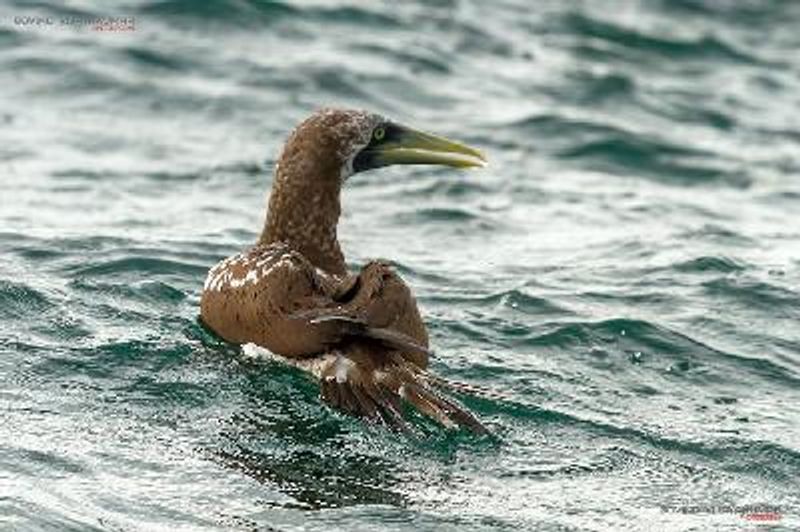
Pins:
x,y
379,133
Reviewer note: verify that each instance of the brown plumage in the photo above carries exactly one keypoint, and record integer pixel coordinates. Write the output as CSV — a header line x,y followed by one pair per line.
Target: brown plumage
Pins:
x,y
361,334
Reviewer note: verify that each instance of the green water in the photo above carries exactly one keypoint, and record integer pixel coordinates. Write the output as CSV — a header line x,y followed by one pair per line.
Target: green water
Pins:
x,y
625,274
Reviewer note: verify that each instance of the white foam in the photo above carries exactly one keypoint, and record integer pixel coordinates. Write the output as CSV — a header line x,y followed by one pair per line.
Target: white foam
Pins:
x,y
343,366
313,365
256,352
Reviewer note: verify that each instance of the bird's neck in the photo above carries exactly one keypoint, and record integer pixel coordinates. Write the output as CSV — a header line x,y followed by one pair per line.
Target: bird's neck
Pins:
x,y
304,214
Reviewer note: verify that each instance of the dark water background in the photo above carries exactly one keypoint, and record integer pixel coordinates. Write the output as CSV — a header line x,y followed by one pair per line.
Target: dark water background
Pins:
x,y
626,272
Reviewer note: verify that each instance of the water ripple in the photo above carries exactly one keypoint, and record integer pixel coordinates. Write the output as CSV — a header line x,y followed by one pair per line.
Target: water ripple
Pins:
x,y
702,48
620,281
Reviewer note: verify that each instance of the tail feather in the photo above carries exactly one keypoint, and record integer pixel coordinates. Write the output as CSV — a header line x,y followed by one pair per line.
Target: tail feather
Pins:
x,y
378,393
349,400
392,411
465,388
367,404
364,400
448,406
330,392
461,415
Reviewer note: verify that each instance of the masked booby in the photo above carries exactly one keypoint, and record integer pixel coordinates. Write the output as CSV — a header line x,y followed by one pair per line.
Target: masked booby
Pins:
x,y
360,334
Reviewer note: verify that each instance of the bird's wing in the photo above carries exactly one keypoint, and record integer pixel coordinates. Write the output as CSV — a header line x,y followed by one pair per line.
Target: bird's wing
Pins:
x,y
273,296
351,325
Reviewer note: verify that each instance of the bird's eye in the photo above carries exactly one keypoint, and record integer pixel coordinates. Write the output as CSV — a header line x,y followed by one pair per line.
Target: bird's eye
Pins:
x,y
379,133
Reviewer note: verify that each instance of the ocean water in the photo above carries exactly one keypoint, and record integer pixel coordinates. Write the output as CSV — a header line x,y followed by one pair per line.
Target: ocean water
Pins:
x,y
625,275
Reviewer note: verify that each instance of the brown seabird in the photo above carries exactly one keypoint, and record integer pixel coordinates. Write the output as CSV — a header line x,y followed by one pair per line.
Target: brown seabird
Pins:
x,y
360,334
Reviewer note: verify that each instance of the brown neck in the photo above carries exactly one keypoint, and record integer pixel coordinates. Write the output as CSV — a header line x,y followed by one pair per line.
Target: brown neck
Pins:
x,y
304,213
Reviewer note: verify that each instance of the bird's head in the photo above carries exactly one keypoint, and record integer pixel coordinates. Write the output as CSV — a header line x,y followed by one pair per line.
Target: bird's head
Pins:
x,y
344,142
325,150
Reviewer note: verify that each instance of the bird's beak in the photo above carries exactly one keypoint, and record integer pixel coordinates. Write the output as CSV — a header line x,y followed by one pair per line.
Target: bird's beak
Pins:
x,y
409,146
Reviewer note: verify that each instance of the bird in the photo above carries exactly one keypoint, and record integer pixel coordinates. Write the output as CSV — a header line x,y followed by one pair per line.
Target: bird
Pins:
x,y
360,334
